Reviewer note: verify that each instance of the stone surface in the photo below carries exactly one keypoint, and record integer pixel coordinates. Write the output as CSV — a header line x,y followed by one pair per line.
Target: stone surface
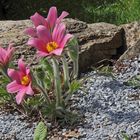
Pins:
x,y
132,36
97,41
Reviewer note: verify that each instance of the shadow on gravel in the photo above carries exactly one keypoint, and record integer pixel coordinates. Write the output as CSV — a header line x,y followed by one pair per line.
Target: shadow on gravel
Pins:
x,y
119,117
114,85
107,101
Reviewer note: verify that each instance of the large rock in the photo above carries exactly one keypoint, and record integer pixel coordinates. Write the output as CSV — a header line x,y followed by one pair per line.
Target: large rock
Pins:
x,y
132,36
97,41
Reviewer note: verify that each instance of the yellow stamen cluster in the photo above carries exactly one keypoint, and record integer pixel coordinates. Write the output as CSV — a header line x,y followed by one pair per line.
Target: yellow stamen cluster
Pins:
x,y
51,46
25,80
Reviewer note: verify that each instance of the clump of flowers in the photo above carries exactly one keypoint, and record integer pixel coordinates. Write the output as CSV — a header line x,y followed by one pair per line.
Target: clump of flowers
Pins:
x,y
50,85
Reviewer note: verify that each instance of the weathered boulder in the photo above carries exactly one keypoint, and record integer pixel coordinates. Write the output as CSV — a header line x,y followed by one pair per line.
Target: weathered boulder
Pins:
x,y
100,41
132,36
96,41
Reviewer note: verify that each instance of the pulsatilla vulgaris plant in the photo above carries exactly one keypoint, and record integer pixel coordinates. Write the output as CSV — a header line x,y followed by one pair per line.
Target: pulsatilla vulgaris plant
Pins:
x,y
51,83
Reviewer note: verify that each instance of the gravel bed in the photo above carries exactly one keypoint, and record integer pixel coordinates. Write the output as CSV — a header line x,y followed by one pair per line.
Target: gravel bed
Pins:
x,y
15,127
109,107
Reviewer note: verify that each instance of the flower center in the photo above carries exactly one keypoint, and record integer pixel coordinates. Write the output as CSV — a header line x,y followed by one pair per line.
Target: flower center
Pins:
x,y
25,80
51,46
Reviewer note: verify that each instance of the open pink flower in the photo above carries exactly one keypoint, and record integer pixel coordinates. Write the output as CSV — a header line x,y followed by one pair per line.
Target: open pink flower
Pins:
x,y
6,55
22,82
48,22
50,43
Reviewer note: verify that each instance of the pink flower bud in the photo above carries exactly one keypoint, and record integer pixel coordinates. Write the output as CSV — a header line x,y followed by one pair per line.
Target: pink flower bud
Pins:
x,y
6,55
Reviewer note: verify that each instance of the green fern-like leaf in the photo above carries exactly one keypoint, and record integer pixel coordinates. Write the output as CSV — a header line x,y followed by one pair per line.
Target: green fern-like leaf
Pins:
x,y
125,136
134,81
75,85
40,132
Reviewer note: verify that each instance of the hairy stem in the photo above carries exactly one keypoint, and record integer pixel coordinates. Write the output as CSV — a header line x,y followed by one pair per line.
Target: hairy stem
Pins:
x,y
66,72
57,82
41,89
4,72
44,93
75,68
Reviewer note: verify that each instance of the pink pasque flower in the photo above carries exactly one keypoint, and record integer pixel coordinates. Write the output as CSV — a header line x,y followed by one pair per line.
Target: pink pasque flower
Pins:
x,y
22,82
50,43
6,55
48,22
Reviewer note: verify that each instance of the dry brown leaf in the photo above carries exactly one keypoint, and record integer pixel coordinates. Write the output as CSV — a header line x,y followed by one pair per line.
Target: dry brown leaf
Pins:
x,y
72,134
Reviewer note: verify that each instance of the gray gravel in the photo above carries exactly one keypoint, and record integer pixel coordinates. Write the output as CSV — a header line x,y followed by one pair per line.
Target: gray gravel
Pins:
x,y
109,107
15,127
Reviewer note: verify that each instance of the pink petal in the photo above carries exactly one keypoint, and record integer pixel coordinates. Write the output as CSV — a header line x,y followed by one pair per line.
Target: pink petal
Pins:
x,y
21,66
60,32
30,31
37,43
2,55
65,40
27,71
63,15
20,95
13,87
14,75
57,51
9,53
37,19
52,16
55,32
11,47
42,54
43,33
29,90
